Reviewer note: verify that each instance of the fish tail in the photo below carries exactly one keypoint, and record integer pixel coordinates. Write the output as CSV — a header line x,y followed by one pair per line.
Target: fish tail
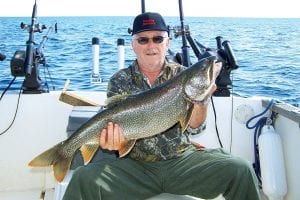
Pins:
x,y
55,156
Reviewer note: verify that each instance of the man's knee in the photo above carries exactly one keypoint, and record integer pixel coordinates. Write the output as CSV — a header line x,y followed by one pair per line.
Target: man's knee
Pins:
x,y
241,168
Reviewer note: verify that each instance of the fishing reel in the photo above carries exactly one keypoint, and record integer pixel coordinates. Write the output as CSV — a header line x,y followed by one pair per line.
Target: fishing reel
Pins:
x,y
36,27
223,53
177,30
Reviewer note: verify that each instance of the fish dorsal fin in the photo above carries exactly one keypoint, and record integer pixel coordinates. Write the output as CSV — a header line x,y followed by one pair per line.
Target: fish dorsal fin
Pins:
x,y
126,148
111,101
88,150
184,119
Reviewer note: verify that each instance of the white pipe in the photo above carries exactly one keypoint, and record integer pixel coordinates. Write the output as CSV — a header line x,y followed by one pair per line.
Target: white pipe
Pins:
x,y
121,53
95,76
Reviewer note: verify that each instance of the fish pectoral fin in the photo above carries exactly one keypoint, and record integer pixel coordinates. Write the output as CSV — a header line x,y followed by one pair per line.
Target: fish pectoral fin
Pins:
x,y
126,148
185,119
88,151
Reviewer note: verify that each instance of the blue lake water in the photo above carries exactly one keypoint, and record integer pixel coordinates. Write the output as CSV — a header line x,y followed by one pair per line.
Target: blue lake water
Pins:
x,y
267,50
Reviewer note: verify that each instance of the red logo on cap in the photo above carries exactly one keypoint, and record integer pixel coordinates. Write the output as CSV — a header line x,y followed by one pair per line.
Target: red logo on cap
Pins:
x,y
148,22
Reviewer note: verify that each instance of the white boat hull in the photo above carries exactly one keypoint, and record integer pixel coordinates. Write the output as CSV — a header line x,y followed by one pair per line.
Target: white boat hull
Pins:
x,y
42,119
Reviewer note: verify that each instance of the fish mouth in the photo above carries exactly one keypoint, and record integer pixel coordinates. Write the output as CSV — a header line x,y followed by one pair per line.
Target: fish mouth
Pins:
x,y
217,67
213,72
199,88
203,98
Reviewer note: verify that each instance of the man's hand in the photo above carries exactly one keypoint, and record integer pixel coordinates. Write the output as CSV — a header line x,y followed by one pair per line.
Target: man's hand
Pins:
x,y
112,137
200,109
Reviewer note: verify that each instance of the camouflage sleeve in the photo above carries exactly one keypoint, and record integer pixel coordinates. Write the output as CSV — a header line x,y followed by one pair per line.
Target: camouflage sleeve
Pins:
x,y
118,84
198,130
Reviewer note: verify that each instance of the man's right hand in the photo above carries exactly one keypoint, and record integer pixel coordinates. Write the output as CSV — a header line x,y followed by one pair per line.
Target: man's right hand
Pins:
x,y
112,137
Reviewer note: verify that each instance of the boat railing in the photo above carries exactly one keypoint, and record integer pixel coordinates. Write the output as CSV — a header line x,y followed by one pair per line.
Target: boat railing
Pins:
x,y
287,110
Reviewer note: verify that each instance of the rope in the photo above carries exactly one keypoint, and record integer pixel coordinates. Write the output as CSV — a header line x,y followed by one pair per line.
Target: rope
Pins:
x,y
258,127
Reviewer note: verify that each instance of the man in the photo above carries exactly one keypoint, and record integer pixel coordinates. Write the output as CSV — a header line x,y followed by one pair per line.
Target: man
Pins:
x,y
167,162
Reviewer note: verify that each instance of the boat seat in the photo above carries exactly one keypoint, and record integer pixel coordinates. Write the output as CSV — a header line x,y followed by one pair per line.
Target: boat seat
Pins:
x,y
78,116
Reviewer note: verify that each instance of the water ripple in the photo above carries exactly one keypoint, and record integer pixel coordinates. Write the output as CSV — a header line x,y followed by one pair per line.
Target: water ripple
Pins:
x,y
267,50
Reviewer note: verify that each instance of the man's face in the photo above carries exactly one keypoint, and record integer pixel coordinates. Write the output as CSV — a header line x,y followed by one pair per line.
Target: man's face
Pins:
x,y
150,48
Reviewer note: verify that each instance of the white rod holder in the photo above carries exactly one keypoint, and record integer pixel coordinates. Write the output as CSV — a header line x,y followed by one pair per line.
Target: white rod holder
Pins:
x,y
95,76
121,53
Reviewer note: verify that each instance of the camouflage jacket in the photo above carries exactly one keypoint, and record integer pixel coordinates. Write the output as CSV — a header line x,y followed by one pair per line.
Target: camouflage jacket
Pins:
x,y
166,145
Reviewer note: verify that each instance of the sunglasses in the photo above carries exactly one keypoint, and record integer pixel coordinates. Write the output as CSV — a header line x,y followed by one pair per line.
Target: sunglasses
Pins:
x,y
156,39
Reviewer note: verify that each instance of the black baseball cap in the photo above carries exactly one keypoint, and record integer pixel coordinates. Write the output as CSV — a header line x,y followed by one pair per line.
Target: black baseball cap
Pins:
x,y
149,21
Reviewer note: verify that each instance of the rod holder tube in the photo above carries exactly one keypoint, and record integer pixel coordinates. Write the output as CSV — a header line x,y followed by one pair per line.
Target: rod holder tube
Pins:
x,y
219,40
185,48
230,55
95,77
121,53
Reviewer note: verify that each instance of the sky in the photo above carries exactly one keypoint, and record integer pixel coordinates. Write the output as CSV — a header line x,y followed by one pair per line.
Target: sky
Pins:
x,y
199,8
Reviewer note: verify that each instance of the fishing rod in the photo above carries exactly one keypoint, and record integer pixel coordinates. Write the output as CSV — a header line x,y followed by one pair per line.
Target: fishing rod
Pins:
x,y
30,41
185,48
143,10
26,63
143,6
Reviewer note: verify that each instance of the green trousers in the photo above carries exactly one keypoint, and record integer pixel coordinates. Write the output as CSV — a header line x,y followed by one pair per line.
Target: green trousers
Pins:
x,y
200,173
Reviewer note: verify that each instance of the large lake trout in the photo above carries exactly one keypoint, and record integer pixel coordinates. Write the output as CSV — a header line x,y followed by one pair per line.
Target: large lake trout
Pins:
x,y
142,115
